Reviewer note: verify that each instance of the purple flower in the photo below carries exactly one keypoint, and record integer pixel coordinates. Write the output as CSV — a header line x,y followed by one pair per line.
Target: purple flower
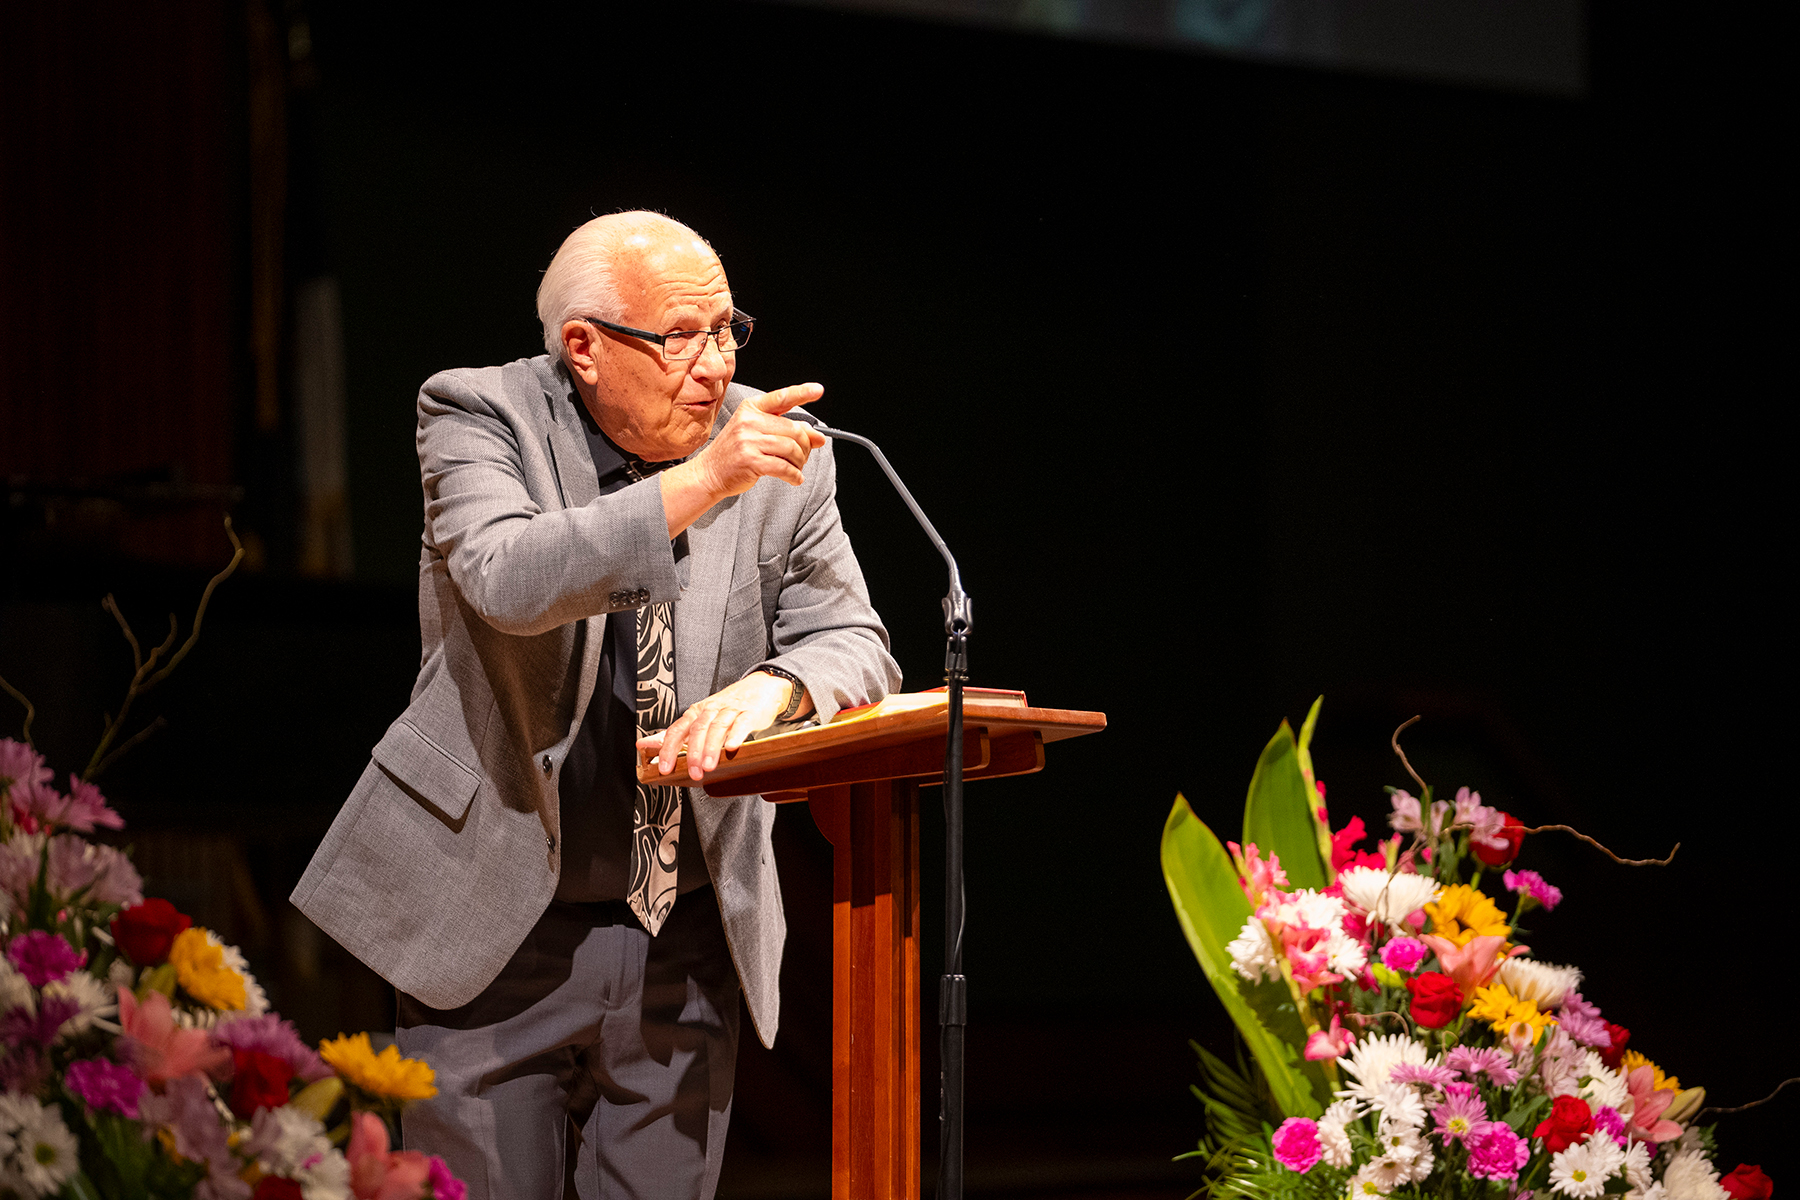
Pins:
x,y
86,808
1403,954
1297,1144
272,1035
19,861
1406,811
21,1027
1532,886
105,1086
108,876
187,1111
444,1185
1582,1021
1496,1151
1485,1061
1461,1113
44,957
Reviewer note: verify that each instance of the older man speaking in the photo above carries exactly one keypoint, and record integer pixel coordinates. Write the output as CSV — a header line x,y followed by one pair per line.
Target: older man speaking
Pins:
x,y
621,548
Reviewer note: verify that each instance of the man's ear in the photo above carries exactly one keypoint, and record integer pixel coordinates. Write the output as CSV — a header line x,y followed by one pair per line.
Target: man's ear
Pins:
x,y
583,348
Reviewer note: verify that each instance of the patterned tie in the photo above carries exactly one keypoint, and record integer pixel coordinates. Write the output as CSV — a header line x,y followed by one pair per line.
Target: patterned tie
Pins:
x,y
656,812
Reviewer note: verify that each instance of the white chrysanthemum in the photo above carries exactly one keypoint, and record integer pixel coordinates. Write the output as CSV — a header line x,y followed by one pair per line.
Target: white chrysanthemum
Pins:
x,y
1637,1165
1334,1143
1689,1176
326,1178
97,1004
1544,984
47,1154
1400,1108
1390,898
1605,1088
1582,1170
1252,954
1345,954
15,1110
1653,1192
1372,1059
1388,1172
1366,1183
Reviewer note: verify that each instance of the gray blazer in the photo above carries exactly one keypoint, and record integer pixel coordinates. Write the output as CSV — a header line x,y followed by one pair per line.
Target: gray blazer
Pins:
x,y
448,849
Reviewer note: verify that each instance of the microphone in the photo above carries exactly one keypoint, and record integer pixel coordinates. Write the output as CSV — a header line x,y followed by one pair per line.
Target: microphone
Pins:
x,y
953,1004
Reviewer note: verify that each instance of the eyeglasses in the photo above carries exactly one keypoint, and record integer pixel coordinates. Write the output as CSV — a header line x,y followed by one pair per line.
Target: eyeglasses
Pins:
x,y
690,343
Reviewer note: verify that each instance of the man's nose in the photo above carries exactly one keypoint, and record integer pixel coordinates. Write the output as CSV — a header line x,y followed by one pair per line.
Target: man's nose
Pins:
x,y
712,360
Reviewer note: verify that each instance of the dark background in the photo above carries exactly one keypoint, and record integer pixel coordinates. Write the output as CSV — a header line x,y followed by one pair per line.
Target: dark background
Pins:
x,y
1231,383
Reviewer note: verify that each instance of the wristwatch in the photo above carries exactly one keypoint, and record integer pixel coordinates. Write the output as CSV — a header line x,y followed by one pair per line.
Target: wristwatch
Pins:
x,y
794,699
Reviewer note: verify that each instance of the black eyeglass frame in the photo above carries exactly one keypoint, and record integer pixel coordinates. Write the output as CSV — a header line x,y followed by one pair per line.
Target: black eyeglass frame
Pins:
x,y
738,317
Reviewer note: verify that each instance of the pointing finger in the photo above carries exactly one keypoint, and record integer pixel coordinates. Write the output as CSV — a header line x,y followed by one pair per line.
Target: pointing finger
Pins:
x,y
782,399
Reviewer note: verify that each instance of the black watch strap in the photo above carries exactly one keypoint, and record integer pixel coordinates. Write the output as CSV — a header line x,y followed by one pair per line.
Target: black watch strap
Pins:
x,y
799,694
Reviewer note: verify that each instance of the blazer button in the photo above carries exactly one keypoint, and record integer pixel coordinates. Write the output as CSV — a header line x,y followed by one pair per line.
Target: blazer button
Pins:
x,y
546,764
549,841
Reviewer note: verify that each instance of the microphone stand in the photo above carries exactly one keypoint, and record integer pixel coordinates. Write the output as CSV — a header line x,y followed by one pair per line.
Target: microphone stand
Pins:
x,y
953,1003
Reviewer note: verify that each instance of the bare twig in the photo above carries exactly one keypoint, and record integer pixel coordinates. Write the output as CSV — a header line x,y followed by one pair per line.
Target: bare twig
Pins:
x,y
1752,1104
144,674
30,708
1395,743
141,735
1629,862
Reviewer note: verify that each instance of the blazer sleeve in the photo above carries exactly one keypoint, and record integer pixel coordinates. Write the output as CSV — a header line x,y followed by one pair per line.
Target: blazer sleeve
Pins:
x,y
523,568
825,630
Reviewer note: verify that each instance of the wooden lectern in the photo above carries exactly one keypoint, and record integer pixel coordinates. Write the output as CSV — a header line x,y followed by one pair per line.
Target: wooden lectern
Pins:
x,y
861,775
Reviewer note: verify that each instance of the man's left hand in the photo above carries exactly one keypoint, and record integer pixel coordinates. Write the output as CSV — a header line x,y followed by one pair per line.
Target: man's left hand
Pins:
x,y
720,723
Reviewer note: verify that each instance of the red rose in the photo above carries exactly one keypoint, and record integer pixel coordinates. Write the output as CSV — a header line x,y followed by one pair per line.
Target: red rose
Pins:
x,y
1435,999
1513,833
276,1187
1570,1122
258,1080
146,931
1748,1183
1615,1054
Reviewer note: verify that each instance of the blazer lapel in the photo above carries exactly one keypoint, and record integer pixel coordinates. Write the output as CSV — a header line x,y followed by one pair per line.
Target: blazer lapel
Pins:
x,y
579,484
700,614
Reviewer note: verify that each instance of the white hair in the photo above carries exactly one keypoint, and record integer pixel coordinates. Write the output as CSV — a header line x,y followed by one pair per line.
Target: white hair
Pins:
x,y
582,280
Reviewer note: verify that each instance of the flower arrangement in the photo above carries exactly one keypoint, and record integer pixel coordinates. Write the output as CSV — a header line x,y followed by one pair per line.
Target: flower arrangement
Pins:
x,y
138,1055
1402,1041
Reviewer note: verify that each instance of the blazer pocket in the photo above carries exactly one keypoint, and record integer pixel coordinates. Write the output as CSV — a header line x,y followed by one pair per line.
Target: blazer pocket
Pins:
x,y
427,772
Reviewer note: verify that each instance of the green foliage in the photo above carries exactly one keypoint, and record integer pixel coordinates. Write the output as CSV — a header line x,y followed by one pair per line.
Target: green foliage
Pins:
x,y
1278,813
117,1160
1212,909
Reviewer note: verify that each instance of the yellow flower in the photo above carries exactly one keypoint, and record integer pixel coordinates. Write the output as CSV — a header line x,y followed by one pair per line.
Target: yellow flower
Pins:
x,y
1633,1060
1463,914
384,1074
199,961
1501,1009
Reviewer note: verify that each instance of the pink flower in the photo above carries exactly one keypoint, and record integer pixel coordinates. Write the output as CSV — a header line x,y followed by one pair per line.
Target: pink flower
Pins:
x,y
1608,1121
86,808
1485,1061
44,957
1471,965
105,1086
20,766
106,875
1496,1151
1582,1021
1484,823
444,1185
23,1027
1405,816
1256,877
1427,1074
1403,954
1297,1144
1531,886
157,1049
1647,1105
1323,1044
376,1173
1461,1113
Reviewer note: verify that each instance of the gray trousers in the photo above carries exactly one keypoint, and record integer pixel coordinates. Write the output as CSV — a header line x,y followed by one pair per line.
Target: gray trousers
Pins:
x,y
598,1065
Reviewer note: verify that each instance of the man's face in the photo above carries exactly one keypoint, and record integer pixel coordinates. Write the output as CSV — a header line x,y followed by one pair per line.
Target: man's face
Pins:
x,y
656,409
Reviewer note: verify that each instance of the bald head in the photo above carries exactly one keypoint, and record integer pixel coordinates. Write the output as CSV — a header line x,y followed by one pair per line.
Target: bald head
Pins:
x,y
605,268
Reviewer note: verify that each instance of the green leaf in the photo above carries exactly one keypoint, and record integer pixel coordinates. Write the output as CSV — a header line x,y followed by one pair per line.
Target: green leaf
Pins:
x,y
1303,751
1278,814
1211,908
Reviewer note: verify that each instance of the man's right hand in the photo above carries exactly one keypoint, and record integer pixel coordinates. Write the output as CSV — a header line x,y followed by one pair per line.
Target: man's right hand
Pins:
x,y
755,442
